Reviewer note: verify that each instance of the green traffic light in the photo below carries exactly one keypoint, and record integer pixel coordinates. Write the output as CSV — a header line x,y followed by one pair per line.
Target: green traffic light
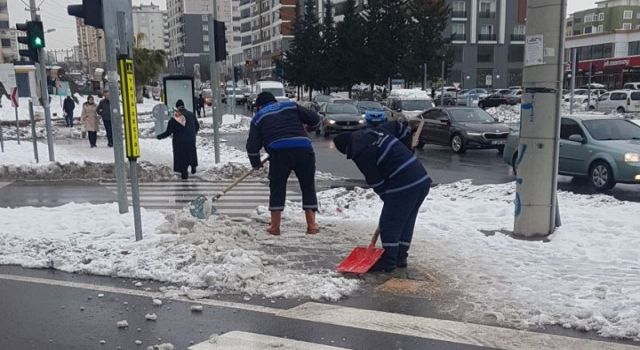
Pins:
x,y
38,43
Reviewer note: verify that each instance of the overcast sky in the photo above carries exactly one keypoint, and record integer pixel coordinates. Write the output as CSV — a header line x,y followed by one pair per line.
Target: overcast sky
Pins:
x,y
54,15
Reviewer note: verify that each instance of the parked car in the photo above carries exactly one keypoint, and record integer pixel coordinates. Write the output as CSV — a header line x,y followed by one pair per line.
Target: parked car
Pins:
x,y
582,95
322,99
514,97
447,89
408,108
310,106
338,117
236,93
449,99
343,100
494,100
515,87
462,128
631,86
472,95
603,149
373,112
621,101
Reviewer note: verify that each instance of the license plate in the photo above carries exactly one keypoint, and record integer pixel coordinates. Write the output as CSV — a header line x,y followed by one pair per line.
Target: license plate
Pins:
x,y
499,142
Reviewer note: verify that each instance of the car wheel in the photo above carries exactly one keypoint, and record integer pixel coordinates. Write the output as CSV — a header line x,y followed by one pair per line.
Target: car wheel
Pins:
x,y
620,110
601,176
592,108
501,150
513,164
481,105
457,144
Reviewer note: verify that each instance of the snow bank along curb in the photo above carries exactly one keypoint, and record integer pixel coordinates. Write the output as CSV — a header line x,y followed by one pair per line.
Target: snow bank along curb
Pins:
x,y
206,257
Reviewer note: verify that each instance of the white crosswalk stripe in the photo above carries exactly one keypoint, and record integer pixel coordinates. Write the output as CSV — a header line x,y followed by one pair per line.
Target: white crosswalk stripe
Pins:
x,y
240,201
250,341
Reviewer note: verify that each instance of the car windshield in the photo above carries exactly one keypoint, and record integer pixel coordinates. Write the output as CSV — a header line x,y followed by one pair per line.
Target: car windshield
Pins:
x,y
370,106
471,115
416,105
342,108
612,129
275,91
321,99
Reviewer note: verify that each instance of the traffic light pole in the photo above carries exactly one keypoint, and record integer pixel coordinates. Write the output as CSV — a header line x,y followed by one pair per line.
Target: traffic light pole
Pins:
x,y
215,83
44,93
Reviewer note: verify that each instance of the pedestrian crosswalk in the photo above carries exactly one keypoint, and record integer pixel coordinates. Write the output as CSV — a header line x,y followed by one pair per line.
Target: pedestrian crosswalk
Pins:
x,y
240,201
250,341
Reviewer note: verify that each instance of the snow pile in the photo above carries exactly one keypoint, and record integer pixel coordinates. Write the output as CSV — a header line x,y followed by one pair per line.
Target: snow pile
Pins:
x,y
219,255
505,113
410,93
585,277
75,160
229,124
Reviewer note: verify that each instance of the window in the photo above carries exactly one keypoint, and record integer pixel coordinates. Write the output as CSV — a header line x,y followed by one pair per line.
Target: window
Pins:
x,y
569,127
601,17
618,96
6,42
458,31
626,26
516,53
587,18
459,9
487,9
486,32
588,30
634,48
628,14
485,53
518,33
600,28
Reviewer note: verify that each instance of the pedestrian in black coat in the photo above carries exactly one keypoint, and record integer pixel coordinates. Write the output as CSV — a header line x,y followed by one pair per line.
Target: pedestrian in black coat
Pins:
x,y
183,127
68,106
104,111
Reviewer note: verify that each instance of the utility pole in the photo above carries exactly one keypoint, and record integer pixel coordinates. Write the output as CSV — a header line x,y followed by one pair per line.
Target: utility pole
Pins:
x,y
574,62
443,83
424,78
215,86
44,92
536,206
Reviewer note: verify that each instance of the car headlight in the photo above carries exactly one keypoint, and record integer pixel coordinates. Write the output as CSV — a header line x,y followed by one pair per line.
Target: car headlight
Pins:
x,y
364,115
331,121
474,133
362,121
632,158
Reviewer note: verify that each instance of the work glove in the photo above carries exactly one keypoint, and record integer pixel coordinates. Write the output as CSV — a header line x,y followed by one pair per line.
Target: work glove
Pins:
x,y
256,163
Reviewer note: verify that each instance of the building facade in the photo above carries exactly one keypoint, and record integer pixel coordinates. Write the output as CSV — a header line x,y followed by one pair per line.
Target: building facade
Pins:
x,y
150,27
91,43
607,43
8,40
487,41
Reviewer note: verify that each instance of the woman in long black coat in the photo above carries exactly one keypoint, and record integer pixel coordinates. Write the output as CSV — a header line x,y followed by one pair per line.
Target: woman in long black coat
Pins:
x,y
183,127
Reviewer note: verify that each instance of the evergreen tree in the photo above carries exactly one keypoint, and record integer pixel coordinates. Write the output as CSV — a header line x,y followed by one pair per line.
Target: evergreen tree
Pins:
x,y
329,56
302,60
350,48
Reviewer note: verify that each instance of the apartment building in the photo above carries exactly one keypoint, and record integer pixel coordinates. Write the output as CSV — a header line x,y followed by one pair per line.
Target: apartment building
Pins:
x,y
607,43
91,43
150,27
488,42
8,43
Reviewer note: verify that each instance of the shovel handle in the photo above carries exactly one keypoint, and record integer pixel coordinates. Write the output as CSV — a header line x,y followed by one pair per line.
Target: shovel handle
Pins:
x,y
374,239
239,180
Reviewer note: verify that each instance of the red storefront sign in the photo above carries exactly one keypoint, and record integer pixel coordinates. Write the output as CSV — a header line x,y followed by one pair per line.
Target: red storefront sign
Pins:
x,y
610,64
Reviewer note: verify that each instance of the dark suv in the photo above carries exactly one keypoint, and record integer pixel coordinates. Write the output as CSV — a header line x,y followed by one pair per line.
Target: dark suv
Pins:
x,y
461,128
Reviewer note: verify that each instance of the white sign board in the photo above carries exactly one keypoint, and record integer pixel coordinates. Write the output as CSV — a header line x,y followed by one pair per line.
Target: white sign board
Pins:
x,y
534,50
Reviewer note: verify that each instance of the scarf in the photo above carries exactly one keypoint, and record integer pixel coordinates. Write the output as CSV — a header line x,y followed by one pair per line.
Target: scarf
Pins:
x,y
180,119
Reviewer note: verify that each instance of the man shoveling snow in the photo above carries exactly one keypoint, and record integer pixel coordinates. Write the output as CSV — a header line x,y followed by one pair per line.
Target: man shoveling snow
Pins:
x,y
385,158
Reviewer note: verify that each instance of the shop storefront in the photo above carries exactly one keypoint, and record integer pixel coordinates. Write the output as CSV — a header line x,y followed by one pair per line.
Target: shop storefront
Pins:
x,y
613,73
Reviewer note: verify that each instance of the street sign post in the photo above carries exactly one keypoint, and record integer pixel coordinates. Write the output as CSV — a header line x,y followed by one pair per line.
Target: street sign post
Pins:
x,y
33,131
130,114
15,104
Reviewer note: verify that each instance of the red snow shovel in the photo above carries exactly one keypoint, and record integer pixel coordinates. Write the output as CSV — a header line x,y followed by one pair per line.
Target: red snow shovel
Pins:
x,y
362,259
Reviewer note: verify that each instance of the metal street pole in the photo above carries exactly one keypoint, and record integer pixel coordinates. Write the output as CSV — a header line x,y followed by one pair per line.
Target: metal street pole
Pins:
x,y
589,86
443,83
33,131
424,78
17,125
215,86
536,206
574,62
1,139
44,93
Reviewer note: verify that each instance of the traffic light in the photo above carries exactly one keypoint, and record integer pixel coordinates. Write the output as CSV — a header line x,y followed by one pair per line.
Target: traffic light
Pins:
x,y
220,40
236,73
34,39
90,11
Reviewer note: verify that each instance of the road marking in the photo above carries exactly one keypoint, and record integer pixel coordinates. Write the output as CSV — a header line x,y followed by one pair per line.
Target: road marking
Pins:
x,y
250,341
449,331
3,184
139,293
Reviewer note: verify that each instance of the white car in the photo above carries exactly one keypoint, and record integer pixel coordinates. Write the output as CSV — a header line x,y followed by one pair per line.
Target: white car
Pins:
x,y
450,89
621,101
582,95
631,86
471,95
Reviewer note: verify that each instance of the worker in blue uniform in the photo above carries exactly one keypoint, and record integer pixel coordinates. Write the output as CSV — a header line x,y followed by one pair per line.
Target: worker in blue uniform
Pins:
x,y
385,158
279,128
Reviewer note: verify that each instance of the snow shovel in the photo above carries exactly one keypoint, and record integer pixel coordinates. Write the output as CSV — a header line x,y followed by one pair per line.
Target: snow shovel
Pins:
x,y
361,259
202,207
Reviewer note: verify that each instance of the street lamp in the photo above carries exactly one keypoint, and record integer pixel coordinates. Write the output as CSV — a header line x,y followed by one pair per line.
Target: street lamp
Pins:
x,y
50,30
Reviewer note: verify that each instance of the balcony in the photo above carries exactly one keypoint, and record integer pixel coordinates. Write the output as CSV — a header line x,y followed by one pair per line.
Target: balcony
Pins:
x,y
459,14
487,37
487,14
458,37
517,37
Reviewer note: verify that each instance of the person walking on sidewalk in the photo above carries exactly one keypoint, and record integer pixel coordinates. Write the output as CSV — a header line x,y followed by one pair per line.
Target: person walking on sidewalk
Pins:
x,y
279,127
67,107
201,105
385,158
89,119
183,127
104,111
